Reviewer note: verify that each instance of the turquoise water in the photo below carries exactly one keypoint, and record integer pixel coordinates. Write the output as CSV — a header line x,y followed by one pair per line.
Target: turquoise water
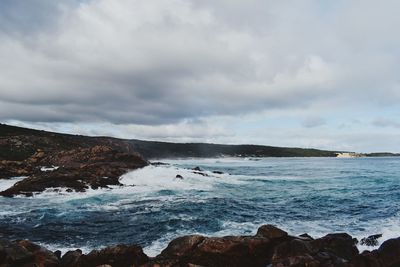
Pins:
x,y
301,195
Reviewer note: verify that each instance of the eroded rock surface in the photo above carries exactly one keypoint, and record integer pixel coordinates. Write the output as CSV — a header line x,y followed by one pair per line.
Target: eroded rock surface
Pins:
x,y
78,169
271,247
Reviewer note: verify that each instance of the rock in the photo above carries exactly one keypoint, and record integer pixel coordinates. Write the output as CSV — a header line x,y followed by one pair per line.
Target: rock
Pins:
x,y
41,256
25,253
389,252
215,251
371,240
159,163
306,237
218,172
116,256
14,254
57,253
271,232
83,168
178,176
197,169
201,173
182,246
71,258
341,245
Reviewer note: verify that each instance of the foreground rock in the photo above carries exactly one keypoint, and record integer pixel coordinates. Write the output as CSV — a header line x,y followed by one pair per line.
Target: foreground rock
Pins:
x,y
270,247
78,169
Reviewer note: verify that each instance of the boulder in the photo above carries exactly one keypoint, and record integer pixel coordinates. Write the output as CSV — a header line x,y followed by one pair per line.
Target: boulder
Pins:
x,y
271,232
389,252
371,240
182,246
116,256
215,251
340,244
26,253
71,258
41,256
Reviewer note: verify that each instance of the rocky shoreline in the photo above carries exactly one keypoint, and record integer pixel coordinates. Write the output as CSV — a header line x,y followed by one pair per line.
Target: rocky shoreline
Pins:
x,y
76,169
270,247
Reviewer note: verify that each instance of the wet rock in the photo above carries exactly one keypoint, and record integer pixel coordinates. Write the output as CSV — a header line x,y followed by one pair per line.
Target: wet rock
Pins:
x,y
182,246
178,176
25,253
389,252
341,244
371,240
216,251
306,237
83,168
218,172
201,173
41,256
271,232
197,169
14,254
71,258
57,253
116,256
158,163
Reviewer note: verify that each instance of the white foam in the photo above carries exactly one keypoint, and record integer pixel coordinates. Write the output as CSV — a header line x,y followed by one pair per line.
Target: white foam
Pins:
x,y
65,249
7,183
155,178
49,169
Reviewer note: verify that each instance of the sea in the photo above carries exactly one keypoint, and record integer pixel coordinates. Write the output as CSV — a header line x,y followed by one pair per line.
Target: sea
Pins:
x,y
230,196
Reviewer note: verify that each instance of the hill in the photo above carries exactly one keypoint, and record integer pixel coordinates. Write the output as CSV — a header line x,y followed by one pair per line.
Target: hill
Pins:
x,y
17,143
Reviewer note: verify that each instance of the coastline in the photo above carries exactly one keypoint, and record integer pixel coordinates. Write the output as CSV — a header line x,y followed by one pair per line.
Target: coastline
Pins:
x,y
270,246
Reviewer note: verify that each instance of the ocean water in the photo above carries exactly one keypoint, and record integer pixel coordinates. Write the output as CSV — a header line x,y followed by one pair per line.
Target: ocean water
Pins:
x,y
300,195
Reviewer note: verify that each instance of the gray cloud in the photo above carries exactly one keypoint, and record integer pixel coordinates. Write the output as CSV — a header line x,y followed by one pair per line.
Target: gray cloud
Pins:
x,y
383,122
163,62
312,122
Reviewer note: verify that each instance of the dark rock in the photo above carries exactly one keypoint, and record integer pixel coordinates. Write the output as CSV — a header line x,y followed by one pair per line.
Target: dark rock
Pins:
x,y
178,176
71,258
306,237
201,173
14,254
218,172
57,253
271,232
371,240
341,244
25,253
83,168
116,256
197,169
389,252
182,246
41,256
215,251
158,163
387,255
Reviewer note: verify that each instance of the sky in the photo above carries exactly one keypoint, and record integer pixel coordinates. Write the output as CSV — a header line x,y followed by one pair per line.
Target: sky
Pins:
x,y
321,74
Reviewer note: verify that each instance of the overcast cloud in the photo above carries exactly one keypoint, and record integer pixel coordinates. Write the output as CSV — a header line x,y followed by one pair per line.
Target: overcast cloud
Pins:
x,y
216,71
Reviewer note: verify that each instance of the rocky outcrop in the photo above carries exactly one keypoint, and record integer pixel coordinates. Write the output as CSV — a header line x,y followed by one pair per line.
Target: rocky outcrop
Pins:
x,y
78,169
270,247
116,256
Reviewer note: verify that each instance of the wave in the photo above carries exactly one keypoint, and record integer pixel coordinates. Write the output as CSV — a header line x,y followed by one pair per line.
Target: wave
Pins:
x,y
7,183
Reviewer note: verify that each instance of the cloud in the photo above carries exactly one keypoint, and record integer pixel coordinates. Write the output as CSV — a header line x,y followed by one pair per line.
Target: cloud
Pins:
x,y
154,62
383,122
312,122
163,63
